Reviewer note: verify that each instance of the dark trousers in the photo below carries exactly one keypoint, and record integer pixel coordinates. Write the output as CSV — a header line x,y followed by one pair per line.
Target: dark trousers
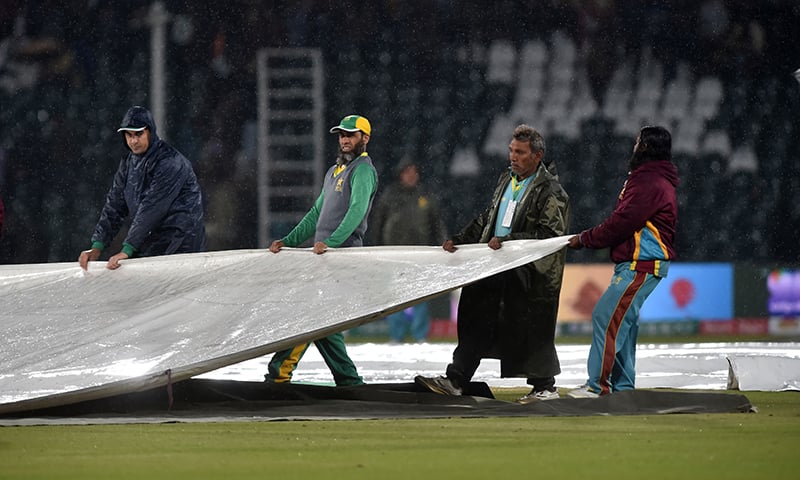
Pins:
x,y
481,311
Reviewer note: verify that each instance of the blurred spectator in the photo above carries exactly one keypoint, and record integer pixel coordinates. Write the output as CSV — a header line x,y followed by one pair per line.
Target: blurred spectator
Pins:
x,y
67,67
407,214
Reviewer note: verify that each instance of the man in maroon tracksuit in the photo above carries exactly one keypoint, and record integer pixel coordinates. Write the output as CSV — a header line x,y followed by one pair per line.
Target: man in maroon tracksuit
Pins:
x,y
640,233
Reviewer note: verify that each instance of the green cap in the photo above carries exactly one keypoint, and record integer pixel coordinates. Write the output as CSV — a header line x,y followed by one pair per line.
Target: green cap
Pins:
x,y
353,123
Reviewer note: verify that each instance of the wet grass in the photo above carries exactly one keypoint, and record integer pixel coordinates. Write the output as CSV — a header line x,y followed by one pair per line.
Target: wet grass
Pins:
x,y
708,446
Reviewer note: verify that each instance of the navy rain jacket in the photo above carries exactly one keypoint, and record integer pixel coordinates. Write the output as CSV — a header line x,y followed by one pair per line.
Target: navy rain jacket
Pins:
x,y
159,191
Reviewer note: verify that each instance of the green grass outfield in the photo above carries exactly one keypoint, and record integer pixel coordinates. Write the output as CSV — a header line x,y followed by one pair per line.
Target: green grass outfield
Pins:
x,y
763,445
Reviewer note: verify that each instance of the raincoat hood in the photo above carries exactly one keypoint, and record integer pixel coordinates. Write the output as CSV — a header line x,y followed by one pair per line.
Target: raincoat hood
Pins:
x,y
137,119
664,168
158,192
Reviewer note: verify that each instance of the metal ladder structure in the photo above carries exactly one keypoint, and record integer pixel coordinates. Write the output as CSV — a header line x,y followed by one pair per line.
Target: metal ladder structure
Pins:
x,y
291,133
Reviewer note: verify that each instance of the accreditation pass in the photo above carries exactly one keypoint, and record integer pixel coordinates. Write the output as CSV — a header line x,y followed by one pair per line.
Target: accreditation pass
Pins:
x,y
509,215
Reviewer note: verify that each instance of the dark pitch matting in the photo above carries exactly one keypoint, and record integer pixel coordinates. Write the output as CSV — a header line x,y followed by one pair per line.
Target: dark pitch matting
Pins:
x,y
196,400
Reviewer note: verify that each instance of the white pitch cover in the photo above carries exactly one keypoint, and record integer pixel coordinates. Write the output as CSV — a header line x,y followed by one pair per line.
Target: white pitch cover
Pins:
x,y
764,373
71,335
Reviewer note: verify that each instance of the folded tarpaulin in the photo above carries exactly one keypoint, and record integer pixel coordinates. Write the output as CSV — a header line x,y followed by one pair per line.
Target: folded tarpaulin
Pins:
x,y
72,335
763,372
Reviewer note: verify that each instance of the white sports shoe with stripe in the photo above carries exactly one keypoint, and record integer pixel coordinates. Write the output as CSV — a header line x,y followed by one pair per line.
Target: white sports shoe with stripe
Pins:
x,y
540,396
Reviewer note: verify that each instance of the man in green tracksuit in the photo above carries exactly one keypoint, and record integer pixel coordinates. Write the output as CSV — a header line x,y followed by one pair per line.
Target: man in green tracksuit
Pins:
x,y
337,219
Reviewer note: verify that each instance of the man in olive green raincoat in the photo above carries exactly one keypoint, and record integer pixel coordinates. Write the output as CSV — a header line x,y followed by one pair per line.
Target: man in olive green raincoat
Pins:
x,y
512,315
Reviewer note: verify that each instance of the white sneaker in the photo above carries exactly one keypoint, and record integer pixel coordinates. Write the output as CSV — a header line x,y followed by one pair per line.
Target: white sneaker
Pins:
x,y
539,396
440,385
583,392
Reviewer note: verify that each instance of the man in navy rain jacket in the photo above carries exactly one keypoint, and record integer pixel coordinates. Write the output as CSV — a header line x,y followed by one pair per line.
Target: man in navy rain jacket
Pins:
x,y
156,187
